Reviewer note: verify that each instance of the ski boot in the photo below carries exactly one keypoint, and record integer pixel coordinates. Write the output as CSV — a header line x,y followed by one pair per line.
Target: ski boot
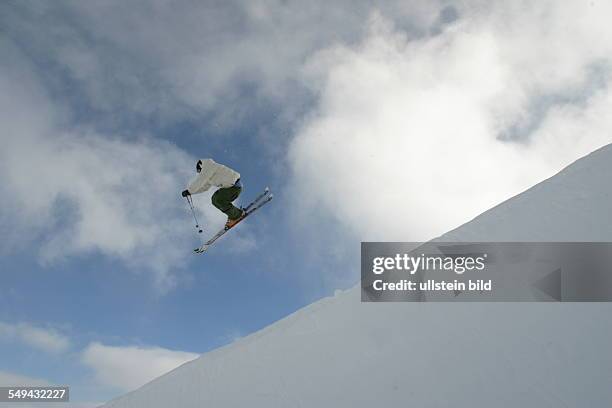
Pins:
x,y
230,223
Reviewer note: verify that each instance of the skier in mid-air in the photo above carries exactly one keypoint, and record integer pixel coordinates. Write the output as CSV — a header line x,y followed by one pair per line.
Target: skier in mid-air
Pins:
x,y
214,174
227,180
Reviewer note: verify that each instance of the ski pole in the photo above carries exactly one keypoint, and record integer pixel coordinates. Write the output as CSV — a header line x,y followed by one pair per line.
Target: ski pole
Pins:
x,y
194,214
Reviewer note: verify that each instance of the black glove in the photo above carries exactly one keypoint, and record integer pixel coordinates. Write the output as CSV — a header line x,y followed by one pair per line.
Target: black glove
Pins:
x,y
185,193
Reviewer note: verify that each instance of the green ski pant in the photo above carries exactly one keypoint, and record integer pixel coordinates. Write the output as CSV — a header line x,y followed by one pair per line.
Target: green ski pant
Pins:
x,y
222,199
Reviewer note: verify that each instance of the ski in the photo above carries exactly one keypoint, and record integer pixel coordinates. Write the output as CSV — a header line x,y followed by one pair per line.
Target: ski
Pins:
x,y
257,199
261,200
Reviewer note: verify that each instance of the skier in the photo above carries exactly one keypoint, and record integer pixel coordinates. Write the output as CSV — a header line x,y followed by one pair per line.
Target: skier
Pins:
x,y
212,174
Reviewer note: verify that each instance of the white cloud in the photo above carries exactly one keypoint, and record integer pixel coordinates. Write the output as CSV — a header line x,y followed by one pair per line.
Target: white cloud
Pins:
x,y
127,368
45,339
69,190
406,140
189,58
8,379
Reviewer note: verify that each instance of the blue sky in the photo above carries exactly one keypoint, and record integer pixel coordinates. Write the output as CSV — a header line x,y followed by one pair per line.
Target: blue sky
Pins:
x,y
387,122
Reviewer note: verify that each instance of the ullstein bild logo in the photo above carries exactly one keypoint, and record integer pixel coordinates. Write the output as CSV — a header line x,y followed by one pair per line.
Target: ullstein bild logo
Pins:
x,y
486,272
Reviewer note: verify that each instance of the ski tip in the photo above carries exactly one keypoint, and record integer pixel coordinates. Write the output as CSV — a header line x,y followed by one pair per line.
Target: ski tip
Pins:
x,y
200,249
267,189
271,196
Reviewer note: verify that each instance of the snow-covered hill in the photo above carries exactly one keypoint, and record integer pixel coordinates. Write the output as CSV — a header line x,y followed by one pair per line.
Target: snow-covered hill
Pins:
x,y
339,352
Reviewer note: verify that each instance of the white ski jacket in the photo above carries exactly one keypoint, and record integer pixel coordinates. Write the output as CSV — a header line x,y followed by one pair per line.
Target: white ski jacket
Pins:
x,y
212,174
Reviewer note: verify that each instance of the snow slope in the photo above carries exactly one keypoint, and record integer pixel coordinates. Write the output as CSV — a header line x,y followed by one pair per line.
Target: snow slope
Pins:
x,y
339,352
